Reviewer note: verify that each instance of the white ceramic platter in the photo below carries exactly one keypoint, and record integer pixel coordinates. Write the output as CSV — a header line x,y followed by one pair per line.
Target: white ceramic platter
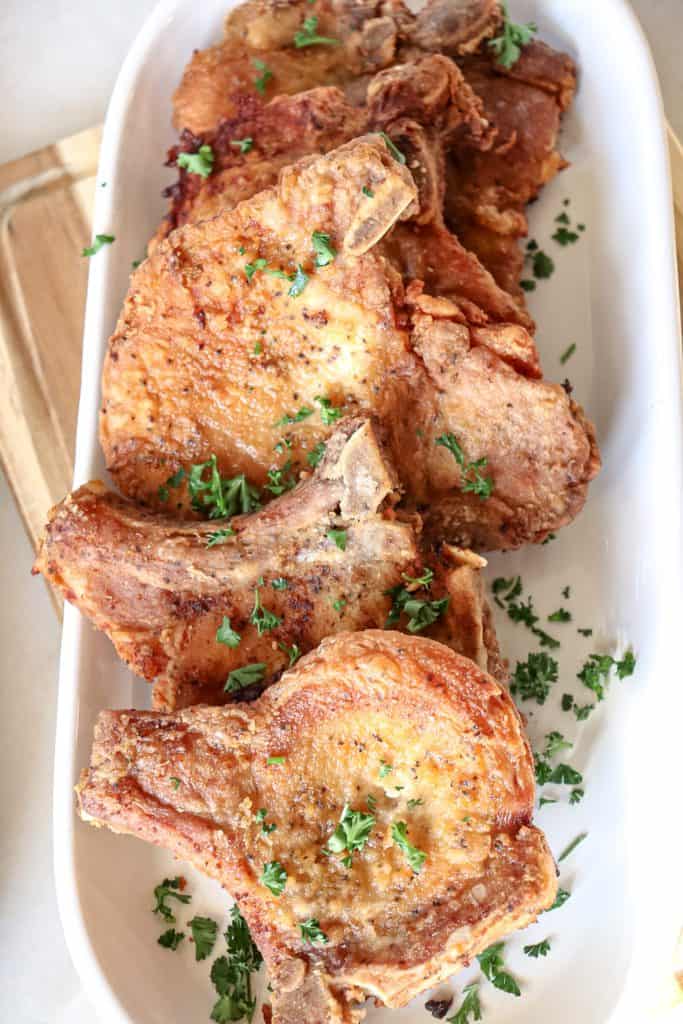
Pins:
x,y
614,295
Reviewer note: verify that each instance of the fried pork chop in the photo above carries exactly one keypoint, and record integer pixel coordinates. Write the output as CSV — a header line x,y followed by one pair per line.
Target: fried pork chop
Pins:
x,y
160,589
259,55
215,352
487,192
433,883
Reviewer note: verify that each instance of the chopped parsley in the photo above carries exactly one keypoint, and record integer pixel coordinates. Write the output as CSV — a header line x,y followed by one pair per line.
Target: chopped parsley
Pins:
x,y
175,782
368,192
351,834
226,634
307,35
251,268
219,536
565,236
245,676
173,481
507,47
493,968
279,759
561,898
204,932
231,974
299,281
170,888
546,800
596,670
280,583
470,1007
303,414
472,479
421,613
315,455
324,253
280,480
585,632
538,949
339,604
532,678
244,145
415,857
311,932
261,82
393,149
568,353
415,802
200,163
505,593
561,615
274,877
261,617
328,413
576,796
384,769
371,801
542,265
258,348
424,580
527,285
293,652
566,592
171,939
339,538
99,242
570,849
555,742
218,496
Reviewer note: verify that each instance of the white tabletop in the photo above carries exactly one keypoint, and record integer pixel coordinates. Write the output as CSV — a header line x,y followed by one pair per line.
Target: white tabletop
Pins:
x,y
58,62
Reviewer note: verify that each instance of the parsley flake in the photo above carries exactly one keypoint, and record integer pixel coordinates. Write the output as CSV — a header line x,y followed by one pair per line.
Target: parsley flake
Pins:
x,y
559,901
274,877
568,353
328,413
542,265
218,496
316,453
351,834
368,192
311,932
470,1007
261,617
472,479
170,888
339,538
415,857
261,82
171,939
561,615
200,163
393,148
307,35
324,253
219,536
231,974
204,932
245,676
532,678
244,145
299,281
492,966
507,46
293,652
538,949
279,759
100,241
226,634
572,846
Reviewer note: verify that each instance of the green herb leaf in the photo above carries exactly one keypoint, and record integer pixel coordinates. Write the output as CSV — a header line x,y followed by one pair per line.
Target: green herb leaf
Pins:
x,y
384,769
572,846
170,888
171,939
204,932
274,877
492,965
266,74
555,742
218,496
568,353
424,580
532,678
231,974
324,253
339,604
200,163
565,775
472,479
564,236
226,634
280,480
470,1007
175,782
585,632
352,832
527,285
310,931
561,615
316,453
546,800
279,759
245,676
415,802
538,949
261,617
299,282
219,536
368,192
261,819
576,796
415,857
244,145
303,414
293,652
393,148
542,265
307,35
279,584
561,898
329,413
100,241
507,46
339,538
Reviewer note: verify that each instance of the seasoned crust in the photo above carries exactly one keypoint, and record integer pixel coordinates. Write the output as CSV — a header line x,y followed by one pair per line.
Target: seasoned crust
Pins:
x,y
454,741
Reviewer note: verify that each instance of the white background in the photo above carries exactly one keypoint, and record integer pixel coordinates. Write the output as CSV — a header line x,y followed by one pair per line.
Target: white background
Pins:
x,y
58,62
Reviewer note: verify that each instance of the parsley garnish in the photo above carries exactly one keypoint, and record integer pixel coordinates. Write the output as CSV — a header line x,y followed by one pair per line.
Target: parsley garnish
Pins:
x,y
303,414
505,593
420,581
266,74
293,652
492,965
279,584
244,145
507,47
570,849
542,265
564,236
384,768
328,413
532,678
169,890
561,615
218,496
470,1008
351,834
171,939
546,800
231,974
368,192
316,453
472,479
324,253
538,949
251,268
421,613
555,742
568,353
339,604
219,536
576,796
175,782
415,857
371,801
339,538
226,634
585,632
561,898
415,802
310,931
276,760
100,240
280,480
307,35
393,148
200,163
261,819
299,281
245,676
204,932
527,285
595,672
274,877
260,617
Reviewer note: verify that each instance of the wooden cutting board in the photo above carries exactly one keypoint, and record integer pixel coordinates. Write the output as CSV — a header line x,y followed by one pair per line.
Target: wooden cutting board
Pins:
x,y
46,202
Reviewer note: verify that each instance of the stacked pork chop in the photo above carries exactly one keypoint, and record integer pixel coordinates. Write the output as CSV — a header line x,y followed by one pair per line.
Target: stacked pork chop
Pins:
x,y
322,401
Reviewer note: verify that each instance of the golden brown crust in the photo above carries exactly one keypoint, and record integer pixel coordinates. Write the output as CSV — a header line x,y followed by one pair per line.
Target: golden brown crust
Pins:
x,y
455,744
181,378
